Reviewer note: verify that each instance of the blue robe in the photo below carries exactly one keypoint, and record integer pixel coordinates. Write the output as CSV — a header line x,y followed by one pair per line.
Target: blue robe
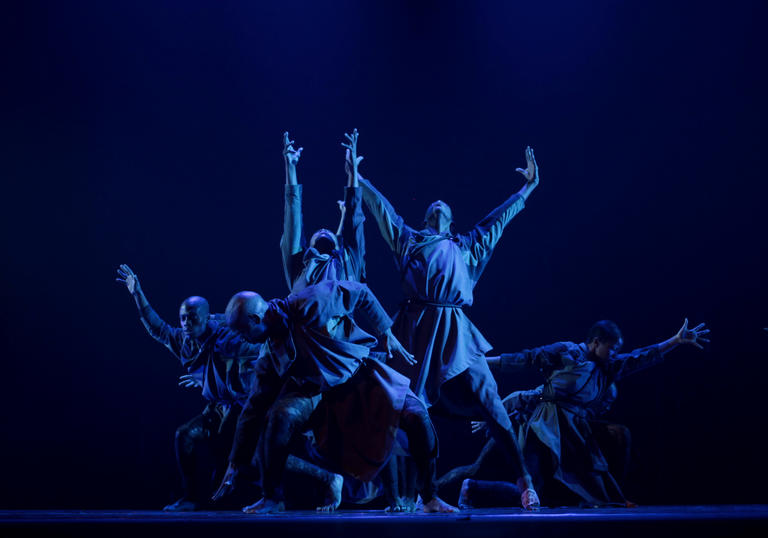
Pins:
x,y
303,265
558,413
437,274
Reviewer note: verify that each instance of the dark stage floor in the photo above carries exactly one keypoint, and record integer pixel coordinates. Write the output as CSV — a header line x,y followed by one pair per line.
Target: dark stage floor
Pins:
x,y
649,522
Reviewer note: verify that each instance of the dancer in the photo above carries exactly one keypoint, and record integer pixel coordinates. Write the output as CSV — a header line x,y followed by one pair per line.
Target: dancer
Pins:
x,y
328,256
438,271
218,361
555,420
316,355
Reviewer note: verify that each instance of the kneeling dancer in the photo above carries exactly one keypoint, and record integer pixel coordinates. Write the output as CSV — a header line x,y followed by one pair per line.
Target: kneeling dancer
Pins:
x,y
315,361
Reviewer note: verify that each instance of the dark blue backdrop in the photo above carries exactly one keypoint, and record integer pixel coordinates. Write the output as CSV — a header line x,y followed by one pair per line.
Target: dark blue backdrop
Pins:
x,y
149,133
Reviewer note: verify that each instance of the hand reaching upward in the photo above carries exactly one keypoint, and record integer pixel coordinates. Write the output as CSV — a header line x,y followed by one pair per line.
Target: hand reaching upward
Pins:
x,y
129,278
291,155
531,172
352,160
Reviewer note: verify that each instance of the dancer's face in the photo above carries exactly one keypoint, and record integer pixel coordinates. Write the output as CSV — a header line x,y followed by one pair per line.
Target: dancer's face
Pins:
x,y
439,216
603,351
193,316
324,241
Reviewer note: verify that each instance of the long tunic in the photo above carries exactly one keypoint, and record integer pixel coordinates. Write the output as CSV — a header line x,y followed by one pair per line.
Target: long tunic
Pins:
x,y
437,274
220,359
316,346
558,412
303,265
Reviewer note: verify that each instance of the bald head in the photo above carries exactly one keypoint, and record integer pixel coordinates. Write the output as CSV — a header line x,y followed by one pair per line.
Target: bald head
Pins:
x,y
245,314
193,316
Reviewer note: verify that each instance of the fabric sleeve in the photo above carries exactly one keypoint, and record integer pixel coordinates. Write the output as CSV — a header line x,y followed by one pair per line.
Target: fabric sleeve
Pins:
x,y
352,232
391,225
544,358
291,242
639,359
486,234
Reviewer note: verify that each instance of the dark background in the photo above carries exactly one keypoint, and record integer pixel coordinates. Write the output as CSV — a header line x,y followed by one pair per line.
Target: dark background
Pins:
x,y
149,133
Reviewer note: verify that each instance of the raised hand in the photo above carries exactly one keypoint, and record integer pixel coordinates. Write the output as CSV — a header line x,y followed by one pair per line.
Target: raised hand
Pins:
x,y
394,346
291,155
352,160
531,172
129,278
189,381
692,336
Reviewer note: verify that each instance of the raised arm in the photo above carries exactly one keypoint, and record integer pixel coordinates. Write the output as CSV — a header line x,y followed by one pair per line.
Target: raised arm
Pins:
x,y
391,225
291,241
352,229
156,327
486,234
639,359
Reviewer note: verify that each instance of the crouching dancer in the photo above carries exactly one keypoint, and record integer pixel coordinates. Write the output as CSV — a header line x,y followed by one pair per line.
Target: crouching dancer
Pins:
x,y
316,361
555,420
220,362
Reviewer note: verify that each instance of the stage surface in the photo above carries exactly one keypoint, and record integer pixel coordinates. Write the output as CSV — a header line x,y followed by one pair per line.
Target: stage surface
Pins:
x,y
648,521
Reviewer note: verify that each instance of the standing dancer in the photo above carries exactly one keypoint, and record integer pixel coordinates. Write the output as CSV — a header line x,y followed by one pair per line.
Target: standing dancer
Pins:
x,y
438,271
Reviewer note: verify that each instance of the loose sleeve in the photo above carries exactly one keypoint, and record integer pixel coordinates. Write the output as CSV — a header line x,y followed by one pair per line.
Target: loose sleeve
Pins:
x,y
352,232
365,301
291,246
391,225
481,241
639,359
158,329
545,358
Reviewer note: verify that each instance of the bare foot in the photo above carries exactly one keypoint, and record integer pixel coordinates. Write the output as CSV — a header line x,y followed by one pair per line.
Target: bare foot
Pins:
x,y
264,506
397,505
465,502
529,499
333,495
437,505
182,505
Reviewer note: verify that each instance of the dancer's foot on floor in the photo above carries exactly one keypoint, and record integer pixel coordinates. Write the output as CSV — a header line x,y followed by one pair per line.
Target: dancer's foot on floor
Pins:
x,y
265,506
529,499
438,506
465,501
333,495
182,505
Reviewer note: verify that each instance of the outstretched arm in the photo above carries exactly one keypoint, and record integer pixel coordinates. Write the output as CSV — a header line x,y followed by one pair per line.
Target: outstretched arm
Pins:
x,y
486,234
639,359
290,242
157,328
391,225
544,358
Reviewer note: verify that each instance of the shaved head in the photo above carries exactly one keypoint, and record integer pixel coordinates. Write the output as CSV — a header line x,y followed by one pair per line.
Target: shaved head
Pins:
x,y
193,316
245,314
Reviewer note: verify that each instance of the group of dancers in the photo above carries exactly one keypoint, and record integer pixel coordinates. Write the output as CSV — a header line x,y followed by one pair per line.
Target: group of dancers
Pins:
x,y
299,392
